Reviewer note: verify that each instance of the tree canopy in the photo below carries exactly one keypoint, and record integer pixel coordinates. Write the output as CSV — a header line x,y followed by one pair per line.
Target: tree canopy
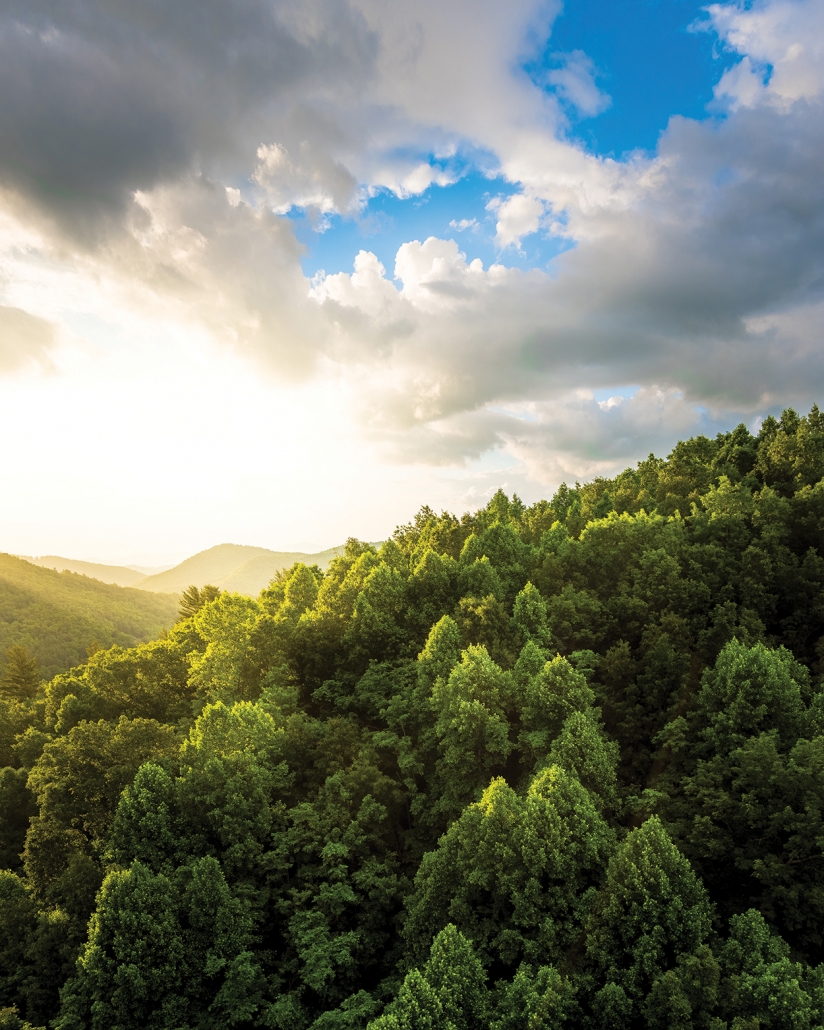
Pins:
x,y
530,768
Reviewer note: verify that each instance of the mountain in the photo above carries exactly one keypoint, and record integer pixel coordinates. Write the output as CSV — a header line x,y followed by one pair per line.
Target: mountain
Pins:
x,y
120,575
59,615
237,567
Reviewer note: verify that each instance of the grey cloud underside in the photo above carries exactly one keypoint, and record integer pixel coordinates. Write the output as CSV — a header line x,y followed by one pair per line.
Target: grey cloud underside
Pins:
x,y
669,290
665,294
103,98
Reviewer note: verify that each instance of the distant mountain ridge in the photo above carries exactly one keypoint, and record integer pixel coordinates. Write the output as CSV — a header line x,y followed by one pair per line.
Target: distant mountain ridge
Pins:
x,y
120,575
241,568
236,567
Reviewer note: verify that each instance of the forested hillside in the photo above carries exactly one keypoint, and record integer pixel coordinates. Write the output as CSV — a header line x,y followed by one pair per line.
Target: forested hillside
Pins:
x,y
59,615
536,767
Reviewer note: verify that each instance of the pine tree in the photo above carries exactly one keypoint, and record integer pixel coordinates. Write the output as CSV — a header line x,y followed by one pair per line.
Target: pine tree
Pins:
x,y
21,674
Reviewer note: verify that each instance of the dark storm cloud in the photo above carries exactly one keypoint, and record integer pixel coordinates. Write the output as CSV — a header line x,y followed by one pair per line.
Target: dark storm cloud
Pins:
x,y
104,98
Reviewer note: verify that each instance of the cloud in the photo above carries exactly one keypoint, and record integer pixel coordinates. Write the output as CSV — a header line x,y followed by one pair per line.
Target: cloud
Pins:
x,y
464,224
519,215
785,37
696,272
104,99
574,80
310,180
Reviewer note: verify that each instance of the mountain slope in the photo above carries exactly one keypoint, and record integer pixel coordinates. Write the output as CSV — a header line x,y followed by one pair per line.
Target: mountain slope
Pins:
x,y
120,575
237,567
258,572
58,615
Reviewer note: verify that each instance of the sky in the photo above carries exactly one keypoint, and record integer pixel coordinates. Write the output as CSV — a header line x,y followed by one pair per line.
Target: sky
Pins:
x,y
279,272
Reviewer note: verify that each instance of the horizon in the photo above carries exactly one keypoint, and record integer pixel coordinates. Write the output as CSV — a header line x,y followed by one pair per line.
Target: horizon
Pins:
x,y
382,257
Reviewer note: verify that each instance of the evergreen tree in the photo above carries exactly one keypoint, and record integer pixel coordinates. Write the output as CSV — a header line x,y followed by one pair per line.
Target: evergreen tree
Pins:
x,y
21,674
651,910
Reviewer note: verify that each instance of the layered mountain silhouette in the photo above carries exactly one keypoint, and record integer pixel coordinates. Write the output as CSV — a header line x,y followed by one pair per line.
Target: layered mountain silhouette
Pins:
x,y
236,567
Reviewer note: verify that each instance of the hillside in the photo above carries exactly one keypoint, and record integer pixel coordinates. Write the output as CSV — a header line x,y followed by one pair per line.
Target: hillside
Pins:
x,y
58,615
237,567
556,766
120,575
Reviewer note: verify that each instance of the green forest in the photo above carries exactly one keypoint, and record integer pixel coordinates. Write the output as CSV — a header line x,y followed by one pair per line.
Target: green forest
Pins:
x,y
557,765
60,616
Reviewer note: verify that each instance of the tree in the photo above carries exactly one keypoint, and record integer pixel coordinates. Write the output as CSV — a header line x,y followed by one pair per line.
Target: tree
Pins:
x,y
471,729
537,999
16,808
164,953
530,616
549,698
450,991
226,625
744,788
440,654
77,783
193,599
583,748
651,909
761,985
512,871
21,674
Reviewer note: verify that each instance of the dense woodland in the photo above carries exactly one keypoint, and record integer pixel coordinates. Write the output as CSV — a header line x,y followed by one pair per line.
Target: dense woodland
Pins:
x,y
60,616
535,767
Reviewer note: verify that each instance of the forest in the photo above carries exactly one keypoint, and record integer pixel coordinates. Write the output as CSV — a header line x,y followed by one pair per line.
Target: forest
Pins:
x,y
545,766
60,616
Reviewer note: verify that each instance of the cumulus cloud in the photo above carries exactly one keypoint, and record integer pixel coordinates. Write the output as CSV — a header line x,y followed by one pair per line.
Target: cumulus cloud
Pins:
x,y
310,180
696,272
785,37
517,216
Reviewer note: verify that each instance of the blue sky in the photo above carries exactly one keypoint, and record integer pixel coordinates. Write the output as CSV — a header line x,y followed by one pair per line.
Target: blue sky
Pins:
x,y
650,58
388,221
652,63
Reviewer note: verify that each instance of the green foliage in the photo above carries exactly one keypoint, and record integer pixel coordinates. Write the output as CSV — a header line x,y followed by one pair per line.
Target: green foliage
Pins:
x,y
545,766
165,952
21,674
57,615
450,991
513,871
550,698
17,807
651,910
193,599
536,999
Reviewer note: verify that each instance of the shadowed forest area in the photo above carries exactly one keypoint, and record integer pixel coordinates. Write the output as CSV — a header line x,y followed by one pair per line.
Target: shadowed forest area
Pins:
x,y
536,767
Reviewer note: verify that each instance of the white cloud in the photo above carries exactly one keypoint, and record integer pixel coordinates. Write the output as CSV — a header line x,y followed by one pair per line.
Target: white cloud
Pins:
x,y
740,86
464,224
311,179
574,80
519,215
784,35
